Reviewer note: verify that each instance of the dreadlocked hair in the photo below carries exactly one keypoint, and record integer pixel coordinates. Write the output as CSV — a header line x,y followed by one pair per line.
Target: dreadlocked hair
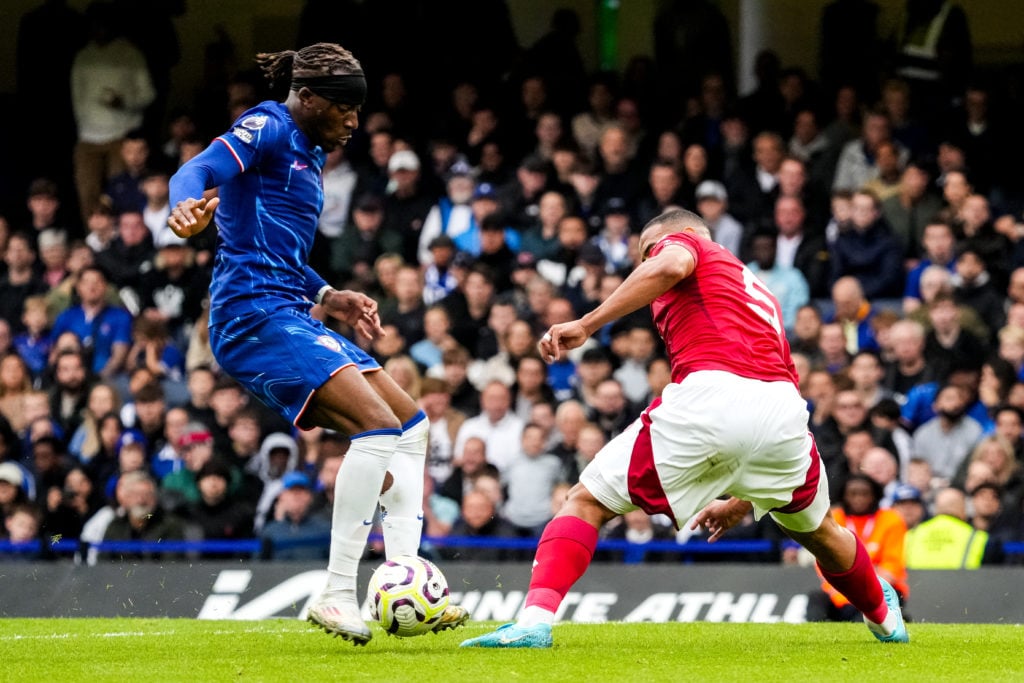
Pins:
x,y
319,59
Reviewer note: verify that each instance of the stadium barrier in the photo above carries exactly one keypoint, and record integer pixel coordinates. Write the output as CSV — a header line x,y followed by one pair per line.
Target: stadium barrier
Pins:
x,y
661,592
630,590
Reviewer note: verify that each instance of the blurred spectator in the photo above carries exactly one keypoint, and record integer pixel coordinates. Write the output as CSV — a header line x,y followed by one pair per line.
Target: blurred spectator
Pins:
x,y
405,311
452,214
858,160
105,331
621,175
586,124
664,189
712,203
278,455
868,250
973,287
140,518
102,399
938,246
125,188
20,281
407,203
439,277
129,255
218,514
540,239
529,479
947,439
947,540
69,507
22,526
340,181
497,424
641,344
912,208
932,51
12,487
639,528
469,305
69,391
1006,471
103,465
948,344
886,183
363,241
611,410
445,421
293,533
35,343
786,283
110,89
479,518
883,466
172,292
853,311
167,457
908,504
471,465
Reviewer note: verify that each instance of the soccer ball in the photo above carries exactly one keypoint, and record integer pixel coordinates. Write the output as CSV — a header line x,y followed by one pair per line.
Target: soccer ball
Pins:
x,y
407,595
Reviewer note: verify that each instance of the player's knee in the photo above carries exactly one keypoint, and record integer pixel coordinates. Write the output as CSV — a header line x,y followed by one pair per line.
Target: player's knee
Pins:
x,y
581,503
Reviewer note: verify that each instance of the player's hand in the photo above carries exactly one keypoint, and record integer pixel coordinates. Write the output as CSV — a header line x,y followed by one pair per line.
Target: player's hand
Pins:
x,y
356,309
562,337
191,216
719,516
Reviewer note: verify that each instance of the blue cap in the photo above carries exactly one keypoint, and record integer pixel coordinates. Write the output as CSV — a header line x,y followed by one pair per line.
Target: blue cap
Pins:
x,y
293,479
129,437
485,191
906,492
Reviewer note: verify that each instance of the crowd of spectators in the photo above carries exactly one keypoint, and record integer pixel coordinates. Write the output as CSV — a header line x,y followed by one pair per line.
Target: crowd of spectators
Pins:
x,y
889,227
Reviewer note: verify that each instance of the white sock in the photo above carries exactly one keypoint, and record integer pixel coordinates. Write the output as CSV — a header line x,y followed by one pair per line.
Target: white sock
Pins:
x,y
402,504
533,615
887,626
355,502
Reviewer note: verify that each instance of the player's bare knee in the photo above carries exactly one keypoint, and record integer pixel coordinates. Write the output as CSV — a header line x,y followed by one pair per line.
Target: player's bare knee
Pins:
x,y
581,503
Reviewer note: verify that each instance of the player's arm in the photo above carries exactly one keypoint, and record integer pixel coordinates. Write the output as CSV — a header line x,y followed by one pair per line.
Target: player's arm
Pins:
x,y
191,212
647,282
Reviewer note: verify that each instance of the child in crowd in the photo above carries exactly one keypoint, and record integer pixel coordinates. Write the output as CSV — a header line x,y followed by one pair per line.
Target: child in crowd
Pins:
x,y
34,344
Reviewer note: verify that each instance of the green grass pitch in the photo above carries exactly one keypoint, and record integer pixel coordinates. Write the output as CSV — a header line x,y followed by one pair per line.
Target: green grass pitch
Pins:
x,y
151,650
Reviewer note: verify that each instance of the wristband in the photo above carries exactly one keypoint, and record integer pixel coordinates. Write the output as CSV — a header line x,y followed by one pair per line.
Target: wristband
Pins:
x,y
322,293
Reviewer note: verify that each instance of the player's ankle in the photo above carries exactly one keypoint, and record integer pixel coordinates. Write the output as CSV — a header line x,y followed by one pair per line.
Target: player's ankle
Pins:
x,y
533,615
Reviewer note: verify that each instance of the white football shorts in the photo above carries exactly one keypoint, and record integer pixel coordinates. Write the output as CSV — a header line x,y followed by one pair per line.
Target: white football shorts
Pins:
x,y
716,433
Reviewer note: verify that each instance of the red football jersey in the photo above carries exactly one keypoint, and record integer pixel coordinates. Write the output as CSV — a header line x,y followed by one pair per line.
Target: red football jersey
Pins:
x,y
721,317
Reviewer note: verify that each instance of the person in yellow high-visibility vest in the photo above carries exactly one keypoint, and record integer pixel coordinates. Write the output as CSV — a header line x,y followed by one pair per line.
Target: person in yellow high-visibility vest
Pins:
x,y
947,540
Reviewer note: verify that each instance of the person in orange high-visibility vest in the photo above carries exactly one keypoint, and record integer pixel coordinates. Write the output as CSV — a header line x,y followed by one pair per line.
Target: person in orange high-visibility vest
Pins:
x,y
882,532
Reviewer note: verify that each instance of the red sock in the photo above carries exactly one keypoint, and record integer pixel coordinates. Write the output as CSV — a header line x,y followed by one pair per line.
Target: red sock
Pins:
x,y
860,585
565,550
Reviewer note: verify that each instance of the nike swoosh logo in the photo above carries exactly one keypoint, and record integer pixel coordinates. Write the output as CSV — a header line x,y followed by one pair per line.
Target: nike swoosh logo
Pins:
x,y
367,522
419,517
506,641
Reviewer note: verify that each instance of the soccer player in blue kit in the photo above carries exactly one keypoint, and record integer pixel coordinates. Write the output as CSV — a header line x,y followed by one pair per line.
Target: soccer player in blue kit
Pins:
x,y
268,171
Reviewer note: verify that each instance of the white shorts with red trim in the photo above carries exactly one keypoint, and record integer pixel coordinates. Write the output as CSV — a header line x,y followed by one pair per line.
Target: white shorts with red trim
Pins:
x,y
714,434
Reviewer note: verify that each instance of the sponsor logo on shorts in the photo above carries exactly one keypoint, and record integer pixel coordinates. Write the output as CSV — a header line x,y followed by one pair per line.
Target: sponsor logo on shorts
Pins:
x,y
329,342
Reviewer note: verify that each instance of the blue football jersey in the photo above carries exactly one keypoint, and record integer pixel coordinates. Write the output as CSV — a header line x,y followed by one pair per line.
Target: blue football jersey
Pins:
x,y
269,179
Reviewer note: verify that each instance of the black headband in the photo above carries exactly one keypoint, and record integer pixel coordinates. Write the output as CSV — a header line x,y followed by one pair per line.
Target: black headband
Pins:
x,y
346,89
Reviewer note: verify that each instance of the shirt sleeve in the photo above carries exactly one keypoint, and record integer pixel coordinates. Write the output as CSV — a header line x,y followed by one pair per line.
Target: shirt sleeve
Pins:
x,y
228,155
314,283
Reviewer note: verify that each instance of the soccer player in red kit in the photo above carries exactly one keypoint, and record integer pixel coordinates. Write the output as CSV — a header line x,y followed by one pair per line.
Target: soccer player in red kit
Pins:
x,y
732,423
